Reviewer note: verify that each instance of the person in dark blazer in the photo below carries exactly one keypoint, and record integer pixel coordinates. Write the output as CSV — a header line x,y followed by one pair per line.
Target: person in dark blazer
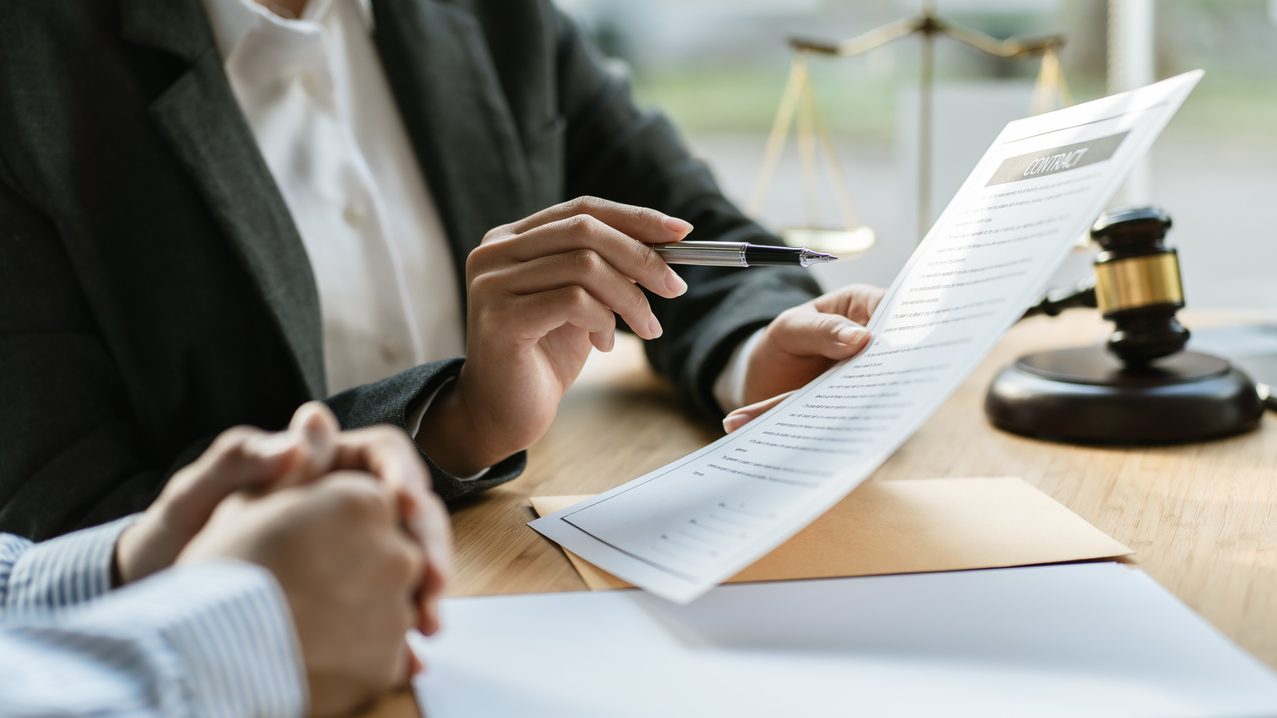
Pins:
x,y
212,211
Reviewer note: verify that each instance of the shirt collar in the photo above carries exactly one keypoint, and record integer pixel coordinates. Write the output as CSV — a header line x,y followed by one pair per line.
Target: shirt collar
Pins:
x,y
231,20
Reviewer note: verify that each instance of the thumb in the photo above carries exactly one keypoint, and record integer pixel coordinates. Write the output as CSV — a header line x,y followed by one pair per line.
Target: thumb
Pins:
x,y
746,414
315,427
815,333
240,458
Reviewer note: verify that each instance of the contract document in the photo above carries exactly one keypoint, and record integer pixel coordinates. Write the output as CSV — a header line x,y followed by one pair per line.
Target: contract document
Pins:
x,y
684,528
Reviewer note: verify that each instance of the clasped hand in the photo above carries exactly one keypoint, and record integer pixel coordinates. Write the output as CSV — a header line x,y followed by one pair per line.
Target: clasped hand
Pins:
x,y
325,512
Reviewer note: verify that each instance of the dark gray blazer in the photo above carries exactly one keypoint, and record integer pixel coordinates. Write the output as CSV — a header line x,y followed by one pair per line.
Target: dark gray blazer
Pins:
x,y
154,290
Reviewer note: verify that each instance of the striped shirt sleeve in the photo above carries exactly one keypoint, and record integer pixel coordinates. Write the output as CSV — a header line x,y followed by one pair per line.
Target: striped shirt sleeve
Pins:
x,y
209,640
60,572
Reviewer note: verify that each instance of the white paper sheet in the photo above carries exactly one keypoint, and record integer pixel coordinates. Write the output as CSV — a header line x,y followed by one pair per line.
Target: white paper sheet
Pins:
x,y
1073,640
686,527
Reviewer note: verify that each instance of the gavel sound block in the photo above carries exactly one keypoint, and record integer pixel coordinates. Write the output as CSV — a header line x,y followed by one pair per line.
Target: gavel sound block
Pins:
x,y
1141,387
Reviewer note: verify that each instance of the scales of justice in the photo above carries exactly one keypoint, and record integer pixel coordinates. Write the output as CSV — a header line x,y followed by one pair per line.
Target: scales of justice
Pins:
x,y
799,111
1142,387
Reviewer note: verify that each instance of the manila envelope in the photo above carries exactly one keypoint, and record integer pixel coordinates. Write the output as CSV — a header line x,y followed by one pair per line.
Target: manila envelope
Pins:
x,y
912,526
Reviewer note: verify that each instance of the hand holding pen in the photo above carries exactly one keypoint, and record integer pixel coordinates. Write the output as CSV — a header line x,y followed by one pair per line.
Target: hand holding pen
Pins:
x,y
546,290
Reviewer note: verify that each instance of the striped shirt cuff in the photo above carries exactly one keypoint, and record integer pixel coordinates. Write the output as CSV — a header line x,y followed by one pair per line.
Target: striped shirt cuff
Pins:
x,y
64,571
223,639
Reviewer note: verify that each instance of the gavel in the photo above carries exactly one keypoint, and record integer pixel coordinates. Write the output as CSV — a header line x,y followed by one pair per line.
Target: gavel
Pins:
x,y
1137,284
1142,386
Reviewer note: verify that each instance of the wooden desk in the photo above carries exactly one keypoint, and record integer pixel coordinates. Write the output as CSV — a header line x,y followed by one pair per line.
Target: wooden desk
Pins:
x,y
1202,518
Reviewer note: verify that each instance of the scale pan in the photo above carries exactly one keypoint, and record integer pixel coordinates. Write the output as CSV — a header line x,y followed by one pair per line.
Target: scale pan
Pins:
x,y
844,243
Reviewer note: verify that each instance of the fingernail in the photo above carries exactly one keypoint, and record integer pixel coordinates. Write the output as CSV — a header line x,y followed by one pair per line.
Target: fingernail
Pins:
x,y
678,226
675,284
273,446
734,421
654,326
850,335
311,420
301,417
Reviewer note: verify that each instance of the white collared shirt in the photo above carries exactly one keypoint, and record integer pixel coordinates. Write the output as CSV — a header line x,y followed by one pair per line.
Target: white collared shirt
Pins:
x,y
322,112
320,107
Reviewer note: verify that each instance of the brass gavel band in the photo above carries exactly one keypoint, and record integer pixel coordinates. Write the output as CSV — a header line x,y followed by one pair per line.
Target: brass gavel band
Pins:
x,y
1138,282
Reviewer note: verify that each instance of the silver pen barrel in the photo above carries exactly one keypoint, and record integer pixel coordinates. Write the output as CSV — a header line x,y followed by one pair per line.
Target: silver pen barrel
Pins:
x,y
709,254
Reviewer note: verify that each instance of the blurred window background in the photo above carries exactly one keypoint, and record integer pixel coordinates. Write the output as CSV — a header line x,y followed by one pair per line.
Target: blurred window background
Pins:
x,y
718,68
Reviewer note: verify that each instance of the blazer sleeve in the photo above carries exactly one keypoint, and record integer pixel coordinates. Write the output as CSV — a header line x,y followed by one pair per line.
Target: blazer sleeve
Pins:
x,y
75,451
71,454
390,401
616,151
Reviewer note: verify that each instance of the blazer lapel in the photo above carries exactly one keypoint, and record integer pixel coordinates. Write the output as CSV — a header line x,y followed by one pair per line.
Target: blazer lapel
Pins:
x,y
200,117
461,127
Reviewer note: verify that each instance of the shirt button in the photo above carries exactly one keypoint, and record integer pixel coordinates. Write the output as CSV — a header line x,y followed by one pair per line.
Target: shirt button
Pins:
x,y
311,84
388,353
354,213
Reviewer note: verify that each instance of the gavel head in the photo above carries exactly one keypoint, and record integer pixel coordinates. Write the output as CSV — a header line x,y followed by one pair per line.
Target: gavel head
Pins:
x,y
1137,284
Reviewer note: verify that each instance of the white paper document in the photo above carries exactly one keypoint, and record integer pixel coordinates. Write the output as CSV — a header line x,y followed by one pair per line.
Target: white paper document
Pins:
x,y
686,527
1075,640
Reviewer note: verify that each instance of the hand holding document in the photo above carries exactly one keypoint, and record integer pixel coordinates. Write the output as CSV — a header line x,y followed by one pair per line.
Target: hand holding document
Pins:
x,y
684,528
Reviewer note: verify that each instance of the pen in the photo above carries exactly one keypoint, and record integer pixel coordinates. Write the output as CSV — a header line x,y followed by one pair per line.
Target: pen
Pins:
x,y
739,254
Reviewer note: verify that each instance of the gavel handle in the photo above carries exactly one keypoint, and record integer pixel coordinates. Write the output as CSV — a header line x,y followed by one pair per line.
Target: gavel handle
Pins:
x,y
1082,296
